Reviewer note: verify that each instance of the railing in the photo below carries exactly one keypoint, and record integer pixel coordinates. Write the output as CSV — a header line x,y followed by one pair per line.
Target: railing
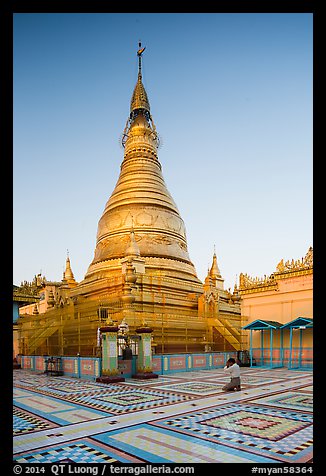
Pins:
x,y
299,358
90,367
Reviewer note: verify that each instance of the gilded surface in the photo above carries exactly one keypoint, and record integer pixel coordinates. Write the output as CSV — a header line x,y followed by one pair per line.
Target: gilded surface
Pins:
x,y
139,98
296,265
141,201
283,270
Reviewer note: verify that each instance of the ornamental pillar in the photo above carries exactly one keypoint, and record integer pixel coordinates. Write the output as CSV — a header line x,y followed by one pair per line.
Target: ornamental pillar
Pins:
x,y
110,372
144,360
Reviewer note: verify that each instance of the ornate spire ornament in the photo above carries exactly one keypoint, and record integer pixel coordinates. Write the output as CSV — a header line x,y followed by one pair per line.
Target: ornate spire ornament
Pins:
x,y
68,275
139,53
132,248
139,107
214,271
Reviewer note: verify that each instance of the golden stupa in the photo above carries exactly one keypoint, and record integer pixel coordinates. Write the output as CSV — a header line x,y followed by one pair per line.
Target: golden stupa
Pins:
x,y
141,272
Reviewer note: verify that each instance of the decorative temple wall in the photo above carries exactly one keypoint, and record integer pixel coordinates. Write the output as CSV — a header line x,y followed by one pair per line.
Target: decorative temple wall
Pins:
x,y
282,297
90,368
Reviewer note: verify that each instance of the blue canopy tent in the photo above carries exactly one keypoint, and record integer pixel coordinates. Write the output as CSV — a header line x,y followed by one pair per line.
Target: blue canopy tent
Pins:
x,y
300,323
271,326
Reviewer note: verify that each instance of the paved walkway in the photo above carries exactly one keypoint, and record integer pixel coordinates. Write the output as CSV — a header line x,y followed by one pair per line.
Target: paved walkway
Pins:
x,y
179,418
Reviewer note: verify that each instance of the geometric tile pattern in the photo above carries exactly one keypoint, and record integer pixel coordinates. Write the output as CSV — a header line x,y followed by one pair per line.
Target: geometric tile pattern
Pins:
x,y
154,382
269,431
289,374
57,386
64,389
157,445
55,410
250,380
123,400
309,388
292,400
61,419
26,422
83,451
244,422
200,388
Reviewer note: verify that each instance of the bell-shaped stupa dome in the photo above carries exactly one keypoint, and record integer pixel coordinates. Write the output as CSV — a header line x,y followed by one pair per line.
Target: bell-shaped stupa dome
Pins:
x,y
141,201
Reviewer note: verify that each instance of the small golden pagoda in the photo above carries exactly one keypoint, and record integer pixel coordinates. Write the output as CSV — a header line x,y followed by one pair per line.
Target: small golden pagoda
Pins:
x,y
141,271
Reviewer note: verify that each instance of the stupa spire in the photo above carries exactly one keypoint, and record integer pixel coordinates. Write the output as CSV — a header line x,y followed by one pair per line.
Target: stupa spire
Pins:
x,y
139,100
139,54
158,231
215,273
68,275
140,126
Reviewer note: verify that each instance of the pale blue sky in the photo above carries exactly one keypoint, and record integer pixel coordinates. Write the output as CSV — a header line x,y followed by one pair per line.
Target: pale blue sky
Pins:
x,y
231,96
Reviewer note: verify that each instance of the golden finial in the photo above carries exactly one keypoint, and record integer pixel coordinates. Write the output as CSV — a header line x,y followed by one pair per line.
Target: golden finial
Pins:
x,y
141,50
132,248
139,98
214,271
139,53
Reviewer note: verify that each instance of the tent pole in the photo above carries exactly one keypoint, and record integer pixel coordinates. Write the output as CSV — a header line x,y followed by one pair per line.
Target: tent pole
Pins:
x,y
271,349
290,356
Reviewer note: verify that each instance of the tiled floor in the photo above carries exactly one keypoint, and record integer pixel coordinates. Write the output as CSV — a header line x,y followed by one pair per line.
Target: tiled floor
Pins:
x,y
179,418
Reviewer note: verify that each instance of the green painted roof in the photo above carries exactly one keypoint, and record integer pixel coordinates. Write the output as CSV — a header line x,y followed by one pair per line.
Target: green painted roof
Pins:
x,y
261,324
298,322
